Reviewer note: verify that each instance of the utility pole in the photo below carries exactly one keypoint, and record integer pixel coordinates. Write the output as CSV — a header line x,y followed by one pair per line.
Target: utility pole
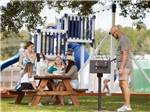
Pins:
x,y
112,42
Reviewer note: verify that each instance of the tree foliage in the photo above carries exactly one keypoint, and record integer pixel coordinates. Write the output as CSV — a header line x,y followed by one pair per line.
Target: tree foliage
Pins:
x,y
139,40
135,10
82,7
10,43
18,13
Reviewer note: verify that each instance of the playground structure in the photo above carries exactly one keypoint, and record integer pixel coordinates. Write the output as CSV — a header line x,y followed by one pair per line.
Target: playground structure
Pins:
x,y
72,31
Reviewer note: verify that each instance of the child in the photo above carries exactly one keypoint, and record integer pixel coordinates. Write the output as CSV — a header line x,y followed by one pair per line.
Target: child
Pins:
x,y
58,69
106,81
27,79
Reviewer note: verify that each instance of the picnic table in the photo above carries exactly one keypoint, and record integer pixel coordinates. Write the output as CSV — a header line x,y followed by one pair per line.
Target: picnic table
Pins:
x,y
47,81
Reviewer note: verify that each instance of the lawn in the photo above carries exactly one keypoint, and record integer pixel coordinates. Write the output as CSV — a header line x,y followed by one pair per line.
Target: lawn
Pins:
x,y
88,104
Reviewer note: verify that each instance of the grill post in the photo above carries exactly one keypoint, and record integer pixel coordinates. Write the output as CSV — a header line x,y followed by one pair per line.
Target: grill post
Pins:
x,y
99,67
99,75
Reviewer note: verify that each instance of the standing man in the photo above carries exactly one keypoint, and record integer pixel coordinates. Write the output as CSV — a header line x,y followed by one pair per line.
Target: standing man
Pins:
x,y
124,65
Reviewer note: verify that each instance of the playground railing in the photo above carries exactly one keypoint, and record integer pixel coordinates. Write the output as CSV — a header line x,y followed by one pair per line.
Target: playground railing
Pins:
x,y
79,28
50,42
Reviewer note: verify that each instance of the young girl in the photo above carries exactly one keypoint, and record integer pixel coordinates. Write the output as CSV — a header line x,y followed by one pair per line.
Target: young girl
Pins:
x,y
58,69
27,79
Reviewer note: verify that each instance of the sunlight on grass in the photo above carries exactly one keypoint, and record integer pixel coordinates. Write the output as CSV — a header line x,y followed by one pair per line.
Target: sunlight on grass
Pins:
x,y
87,104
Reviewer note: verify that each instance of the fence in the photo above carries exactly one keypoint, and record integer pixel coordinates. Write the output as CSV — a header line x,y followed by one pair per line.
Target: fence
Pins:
x,y
10,76
139,83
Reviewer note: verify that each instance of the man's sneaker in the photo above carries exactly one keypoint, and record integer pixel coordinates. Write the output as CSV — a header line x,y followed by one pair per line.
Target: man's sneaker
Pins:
x,y
124,108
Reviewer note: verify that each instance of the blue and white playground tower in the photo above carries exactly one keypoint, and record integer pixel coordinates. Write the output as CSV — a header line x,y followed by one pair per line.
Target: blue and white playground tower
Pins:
x,y
72,31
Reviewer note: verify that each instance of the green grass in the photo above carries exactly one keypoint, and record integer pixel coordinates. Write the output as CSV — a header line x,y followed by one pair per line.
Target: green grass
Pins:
x,y
87,104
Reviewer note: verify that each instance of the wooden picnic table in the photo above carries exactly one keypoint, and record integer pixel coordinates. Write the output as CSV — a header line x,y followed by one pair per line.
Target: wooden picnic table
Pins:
x,y
47,81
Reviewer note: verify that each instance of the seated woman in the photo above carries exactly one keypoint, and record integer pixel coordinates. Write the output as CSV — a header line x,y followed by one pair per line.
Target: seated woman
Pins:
x,y
27,79
72,71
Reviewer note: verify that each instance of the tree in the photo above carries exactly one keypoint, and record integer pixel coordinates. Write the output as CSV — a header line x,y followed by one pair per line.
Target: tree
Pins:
x,y
18,13
139,40
139,25
135,10
10,43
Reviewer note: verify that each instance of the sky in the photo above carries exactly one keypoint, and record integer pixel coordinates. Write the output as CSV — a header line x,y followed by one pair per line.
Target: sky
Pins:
x,y
103,18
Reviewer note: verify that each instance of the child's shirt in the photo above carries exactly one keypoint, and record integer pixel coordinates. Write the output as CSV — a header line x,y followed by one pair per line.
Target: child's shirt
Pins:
x,y
55,70
25,78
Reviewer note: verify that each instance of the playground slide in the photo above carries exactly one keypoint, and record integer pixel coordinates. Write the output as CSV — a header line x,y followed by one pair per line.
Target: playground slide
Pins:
x,y
9,61
75,46
77,53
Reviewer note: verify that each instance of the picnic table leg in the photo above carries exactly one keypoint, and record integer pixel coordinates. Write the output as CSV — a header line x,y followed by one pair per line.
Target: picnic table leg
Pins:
x,y
68,87
19,97
36,99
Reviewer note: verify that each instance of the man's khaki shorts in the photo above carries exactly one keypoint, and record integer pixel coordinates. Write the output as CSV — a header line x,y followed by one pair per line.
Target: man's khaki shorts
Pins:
x,y
126,74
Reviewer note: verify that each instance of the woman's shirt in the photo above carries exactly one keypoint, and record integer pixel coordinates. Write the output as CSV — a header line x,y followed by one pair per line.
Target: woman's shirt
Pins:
x,y
26,57
73,73
25,78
